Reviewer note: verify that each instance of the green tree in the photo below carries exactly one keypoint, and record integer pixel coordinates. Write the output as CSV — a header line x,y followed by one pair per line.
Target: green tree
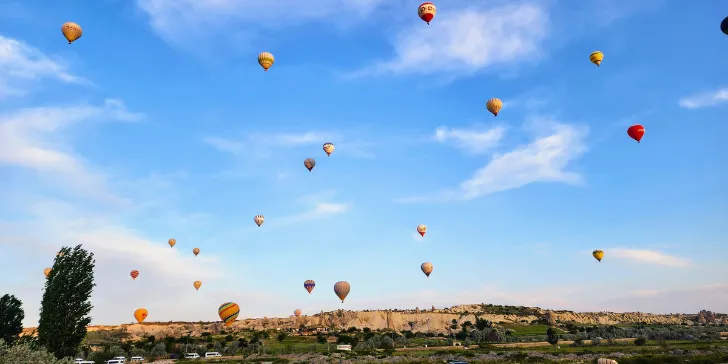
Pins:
x,y
11,318
159,350
25,352
551,336
282,336
321,339
65,308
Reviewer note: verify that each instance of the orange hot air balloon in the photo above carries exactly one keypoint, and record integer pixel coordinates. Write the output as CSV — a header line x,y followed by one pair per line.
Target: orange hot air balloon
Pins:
x,y
228,312
426,12
426,268
494,105
141,314
342,289
297,313
636,132
197,285
422,229
71,31
171,242
196,251
134,274
47,272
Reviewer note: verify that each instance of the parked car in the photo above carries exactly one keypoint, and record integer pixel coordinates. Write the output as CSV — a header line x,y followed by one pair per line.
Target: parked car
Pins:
x,y
212,354
120,359
136,359
115,361
81,361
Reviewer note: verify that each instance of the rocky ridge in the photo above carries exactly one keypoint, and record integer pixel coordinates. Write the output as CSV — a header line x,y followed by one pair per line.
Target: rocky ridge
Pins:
x,y
433,320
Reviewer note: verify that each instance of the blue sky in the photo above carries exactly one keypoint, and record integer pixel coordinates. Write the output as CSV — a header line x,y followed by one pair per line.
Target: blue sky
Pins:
x,y
159,123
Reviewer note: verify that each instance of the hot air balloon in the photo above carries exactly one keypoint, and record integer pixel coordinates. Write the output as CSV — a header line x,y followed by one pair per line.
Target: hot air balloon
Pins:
x,y
422,229
259,219
196,251
494,105
141,314
47,272
171,243
636,132
134,274
309,285
71,31
598,255
596,57
309,163
342,289
197,285
724,26
606,361
426,12
426,268
329,148
228,312
266,60
297,313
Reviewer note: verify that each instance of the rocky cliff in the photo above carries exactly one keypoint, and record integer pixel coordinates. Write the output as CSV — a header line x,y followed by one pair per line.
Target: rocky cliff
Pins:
x,y
433,320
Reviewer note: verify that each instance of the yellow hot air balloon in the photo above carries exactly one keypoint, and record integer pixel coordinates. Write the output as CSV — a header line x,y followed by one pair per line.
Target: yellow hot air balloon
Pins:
x,y
598,255
71,31
342,289
266,60
259,220
329,148
140,314
47,272
596,58
197,285
196,251
426,268
494,105
228,312
171,242
422,229
297,313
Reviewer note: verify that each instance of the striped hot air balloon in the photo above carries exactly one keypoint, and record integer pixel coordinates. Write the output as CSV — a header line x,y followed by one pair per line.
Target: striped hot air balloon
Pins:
x,y
266,60
259,220
309,285
494,105
134,274
422,229
342,289
228,312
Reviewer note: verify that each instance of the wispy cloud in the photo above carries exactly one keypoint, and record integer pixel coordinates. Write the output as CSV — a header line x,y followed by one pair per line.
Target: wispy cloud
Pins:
x,y
472,141
263,145
648,257
543,160
320,205
21,65
705,99
468,40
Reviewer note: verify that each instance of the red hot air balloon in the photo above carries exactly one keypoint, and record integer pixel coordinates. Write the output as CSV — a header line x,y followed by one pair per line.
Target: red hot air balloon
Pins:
x,y
636,132
134,274
426,12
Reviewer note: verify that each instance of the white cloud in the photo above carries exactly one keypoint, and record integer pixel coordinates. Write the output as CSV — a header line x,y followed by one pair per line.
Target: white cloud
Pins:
x,y
224,145
705,99
543,160
472,141
178,20
320,205
469,40
263,145
21,65
648,257
30,138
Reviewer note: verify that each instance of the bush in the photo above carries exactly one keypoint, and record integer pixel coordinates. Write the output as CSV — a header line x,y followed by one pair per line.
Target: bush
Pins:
x,y
28,353
640,341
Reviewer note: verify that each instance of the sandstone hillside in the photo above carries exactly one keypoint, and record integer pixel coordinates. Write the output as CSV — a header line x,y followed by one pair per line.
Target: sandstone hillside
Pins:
x,y
432,320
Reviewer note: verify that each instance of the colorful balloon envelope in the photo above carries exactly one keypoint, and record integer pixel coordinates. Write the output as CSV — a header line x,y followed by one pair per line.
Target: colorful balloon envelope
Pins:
x,y
171,242
259,219
636,132
596,58
71,31
141,314
342,289
598,255
47,272
309,163
309,285
228,312
297,313
426,268
426,12
494,105
197,285
266,60
134,274
724,26
196,251
328,148
422,229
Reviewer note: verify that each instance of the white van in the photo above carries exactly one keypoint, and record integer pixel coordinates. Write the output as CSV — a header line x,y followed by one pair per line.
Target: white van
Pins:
x,y
136,359
114,361
81,361
192,356
212,354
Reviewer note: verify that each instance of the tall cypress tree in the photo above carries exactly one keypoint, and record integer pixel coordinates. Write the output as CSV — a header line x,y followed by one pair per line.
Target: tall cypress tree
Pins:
x,y
11,318
64,312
